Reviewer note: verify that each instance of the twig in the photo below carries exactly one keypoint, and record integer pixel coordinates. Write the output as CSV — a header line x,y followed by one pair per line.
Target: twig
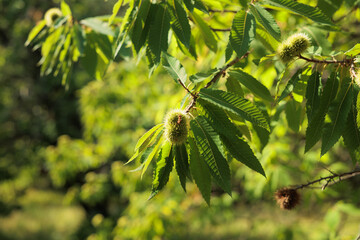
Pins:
x,y
223,70
182,84
221,29
346,61
344,16
330,180
222,11
213,80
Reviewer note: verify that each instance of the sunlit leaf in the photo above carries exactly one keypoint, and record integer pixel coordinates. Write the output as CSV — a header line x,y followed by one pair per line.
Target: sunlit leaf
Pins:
x,y
163,168
233,103
206,32
200,171
313,91
98,26
65,9
310,12
211,154
182,164
290,85
158,33
315,126
252,84
174,68
231,137
338,112
242,32
266,20
35,31
180,22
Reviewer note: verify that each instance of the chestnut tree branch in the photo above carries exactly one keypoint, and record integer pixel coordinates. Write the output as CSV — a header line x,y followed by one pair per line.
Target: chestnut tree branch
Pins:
x,y
329,180
346,61
213,80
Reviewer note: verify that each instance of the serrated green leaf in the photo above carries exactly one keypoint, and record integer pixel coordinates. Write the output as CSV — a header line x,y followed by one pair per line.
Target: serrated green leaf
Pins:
x,y
313,90
65,9
115,10
293,114
351,135
310,12
242,32
266,20
145,139
79,38
200,171
233,103
182,164
179,22
164,166
230,137
233,85
329,7
290,85
152,65
266,39
153,149
158,33
98,26
198,4
206,32
189,5
201,76
97,55
60,21
355,50
35,32
142,23
217,164
150,143
252,84
315,126
191,51
228,51
127,26
338,111
174,68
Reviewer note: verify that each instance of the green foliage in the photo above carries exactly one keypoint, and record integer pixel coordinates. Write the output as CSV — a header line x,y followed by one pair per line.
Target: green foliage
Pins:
x,y
192,41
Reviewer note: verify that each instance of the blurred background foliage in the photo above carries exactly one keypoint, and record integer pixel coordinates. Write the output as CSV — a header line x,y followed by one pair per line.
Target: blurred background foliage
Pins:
x,y
62,152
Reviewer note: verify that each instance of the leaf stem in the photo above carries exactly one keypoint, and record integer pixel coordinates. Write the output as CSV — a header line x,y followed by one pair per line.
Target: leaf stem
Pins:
x,y
222,11
182,84
346,61
213,80
220,29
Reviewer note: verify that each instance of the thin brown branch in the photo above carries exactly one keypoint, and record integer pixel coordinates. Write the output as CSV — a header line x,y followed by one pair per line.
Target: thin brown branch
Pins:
x,y
213,80
346,15
222,11
329,180
220,29
223,70
346,61
182,84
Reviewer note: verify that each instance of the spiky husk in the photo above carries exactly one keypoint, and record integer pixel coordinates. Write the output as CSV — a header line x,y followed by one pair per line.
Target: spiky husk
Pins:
x,y
51,15
285,53
299,42
287,198
176,127
293,46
